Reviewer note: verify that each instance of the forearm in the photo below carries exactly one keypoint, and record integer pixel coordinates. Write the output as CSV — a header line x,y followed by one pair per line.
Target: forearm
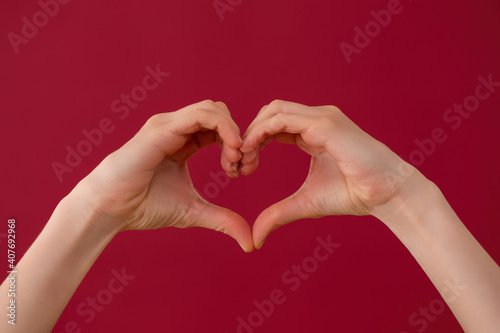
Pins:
x,y
461,270
53,267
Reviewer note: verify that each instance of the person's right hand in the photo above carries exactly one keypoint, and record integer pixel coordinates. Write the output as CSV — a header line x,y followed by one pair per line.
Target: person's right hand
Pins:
x,y
351,173
146,184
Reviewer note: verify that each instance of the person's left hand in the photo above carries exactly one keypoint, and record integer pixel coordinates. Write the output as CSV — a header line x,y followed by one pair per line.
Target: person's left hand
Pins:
x,y
351,173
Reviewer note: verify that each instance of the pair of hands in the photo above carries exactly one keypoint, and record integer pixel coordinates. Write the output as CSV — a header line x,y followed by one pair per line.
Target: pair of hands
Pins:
x,y
146,184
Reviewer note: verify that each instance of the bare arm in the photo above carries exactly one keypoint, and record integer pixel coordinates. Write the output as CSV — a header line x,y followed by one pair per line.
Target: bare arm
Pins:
x,y
351,173
54,266
465,275
143,185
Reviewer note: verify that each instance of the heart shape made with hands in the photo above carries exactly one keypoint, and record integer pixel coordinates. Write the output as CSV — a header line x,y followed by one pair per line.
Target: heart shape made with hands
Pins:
x,y
146,183
280,122
347,174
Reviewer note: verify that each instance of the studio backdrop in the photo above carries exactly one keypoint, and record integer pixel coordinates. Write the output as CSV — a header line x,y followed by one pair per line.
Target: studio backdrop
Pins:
x,y
79,78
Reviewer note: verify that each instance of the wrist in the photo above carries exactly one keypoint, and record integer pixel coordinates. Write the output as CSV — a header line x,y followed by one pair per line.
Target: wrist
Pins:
x,y
421,218
76,230
77,209
414,205
59,258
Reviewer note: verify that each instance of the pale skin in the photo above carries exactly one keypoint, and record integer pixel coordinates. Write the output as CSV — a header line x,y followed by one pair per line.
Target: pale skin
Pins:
x,y
146,185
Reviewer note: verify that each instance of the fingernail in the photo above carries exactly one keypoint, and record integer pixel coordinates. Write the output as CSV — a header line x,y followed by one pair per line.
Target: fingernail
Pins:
x,y
261,243
240,154
239,138
241,246
242,168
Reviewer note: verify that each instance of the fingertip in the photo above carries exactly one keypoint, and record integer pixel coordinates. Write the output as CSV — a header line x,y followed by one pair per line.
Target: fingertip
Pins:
x,y
246,145
247,169
250,157
240,231
236,167
232,175
227,165
248,248
242,170
258,241
259,246
249,163
270,219
246,245
259,230
222,104
231,154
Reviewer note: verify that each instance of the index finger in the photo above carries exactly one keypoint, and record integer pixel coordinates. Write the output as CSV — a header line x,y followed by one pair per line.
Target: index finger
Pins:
x,y
283,127
166,133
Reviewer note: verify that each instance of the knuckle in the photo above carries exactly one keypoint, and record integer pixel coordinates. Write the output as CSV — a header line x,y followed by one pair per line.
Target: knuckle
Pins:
x,y
154,118
277,104
263,109
221,104
333,116
332,108
207,103
201,112
279,121
153,122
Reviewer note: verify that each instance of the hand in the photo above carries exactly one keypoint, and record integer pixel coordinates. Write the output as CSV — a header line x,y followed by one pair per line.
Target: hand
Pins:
x,y
351,173
146,184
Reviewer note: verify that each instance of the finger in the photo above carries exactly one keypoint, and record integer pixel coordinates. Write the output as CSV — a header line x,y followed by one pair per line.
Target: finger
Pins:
x,y
226,164
224,220
279,106
286,138
205,138
250,160
164,134
200,139
207,119
311,130
290,209
281,126
249,157
250,167
231,154
256,120
231,168
230,158
222,106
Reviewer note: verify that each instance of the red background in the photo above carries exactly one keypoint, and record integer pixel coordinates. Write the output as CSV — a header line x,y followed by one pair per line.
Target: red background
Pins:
x,y
397,88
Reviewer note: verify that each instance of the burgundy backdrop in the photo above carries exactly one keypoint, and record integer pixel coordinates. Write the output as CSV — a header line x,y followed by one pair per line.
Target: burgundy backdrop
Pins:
x,y
395,68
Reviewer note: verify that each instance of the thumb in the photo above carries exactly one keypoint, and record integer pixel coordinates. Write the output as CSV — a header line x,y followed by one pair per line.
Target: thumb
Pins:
x,y
226,221
293,208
